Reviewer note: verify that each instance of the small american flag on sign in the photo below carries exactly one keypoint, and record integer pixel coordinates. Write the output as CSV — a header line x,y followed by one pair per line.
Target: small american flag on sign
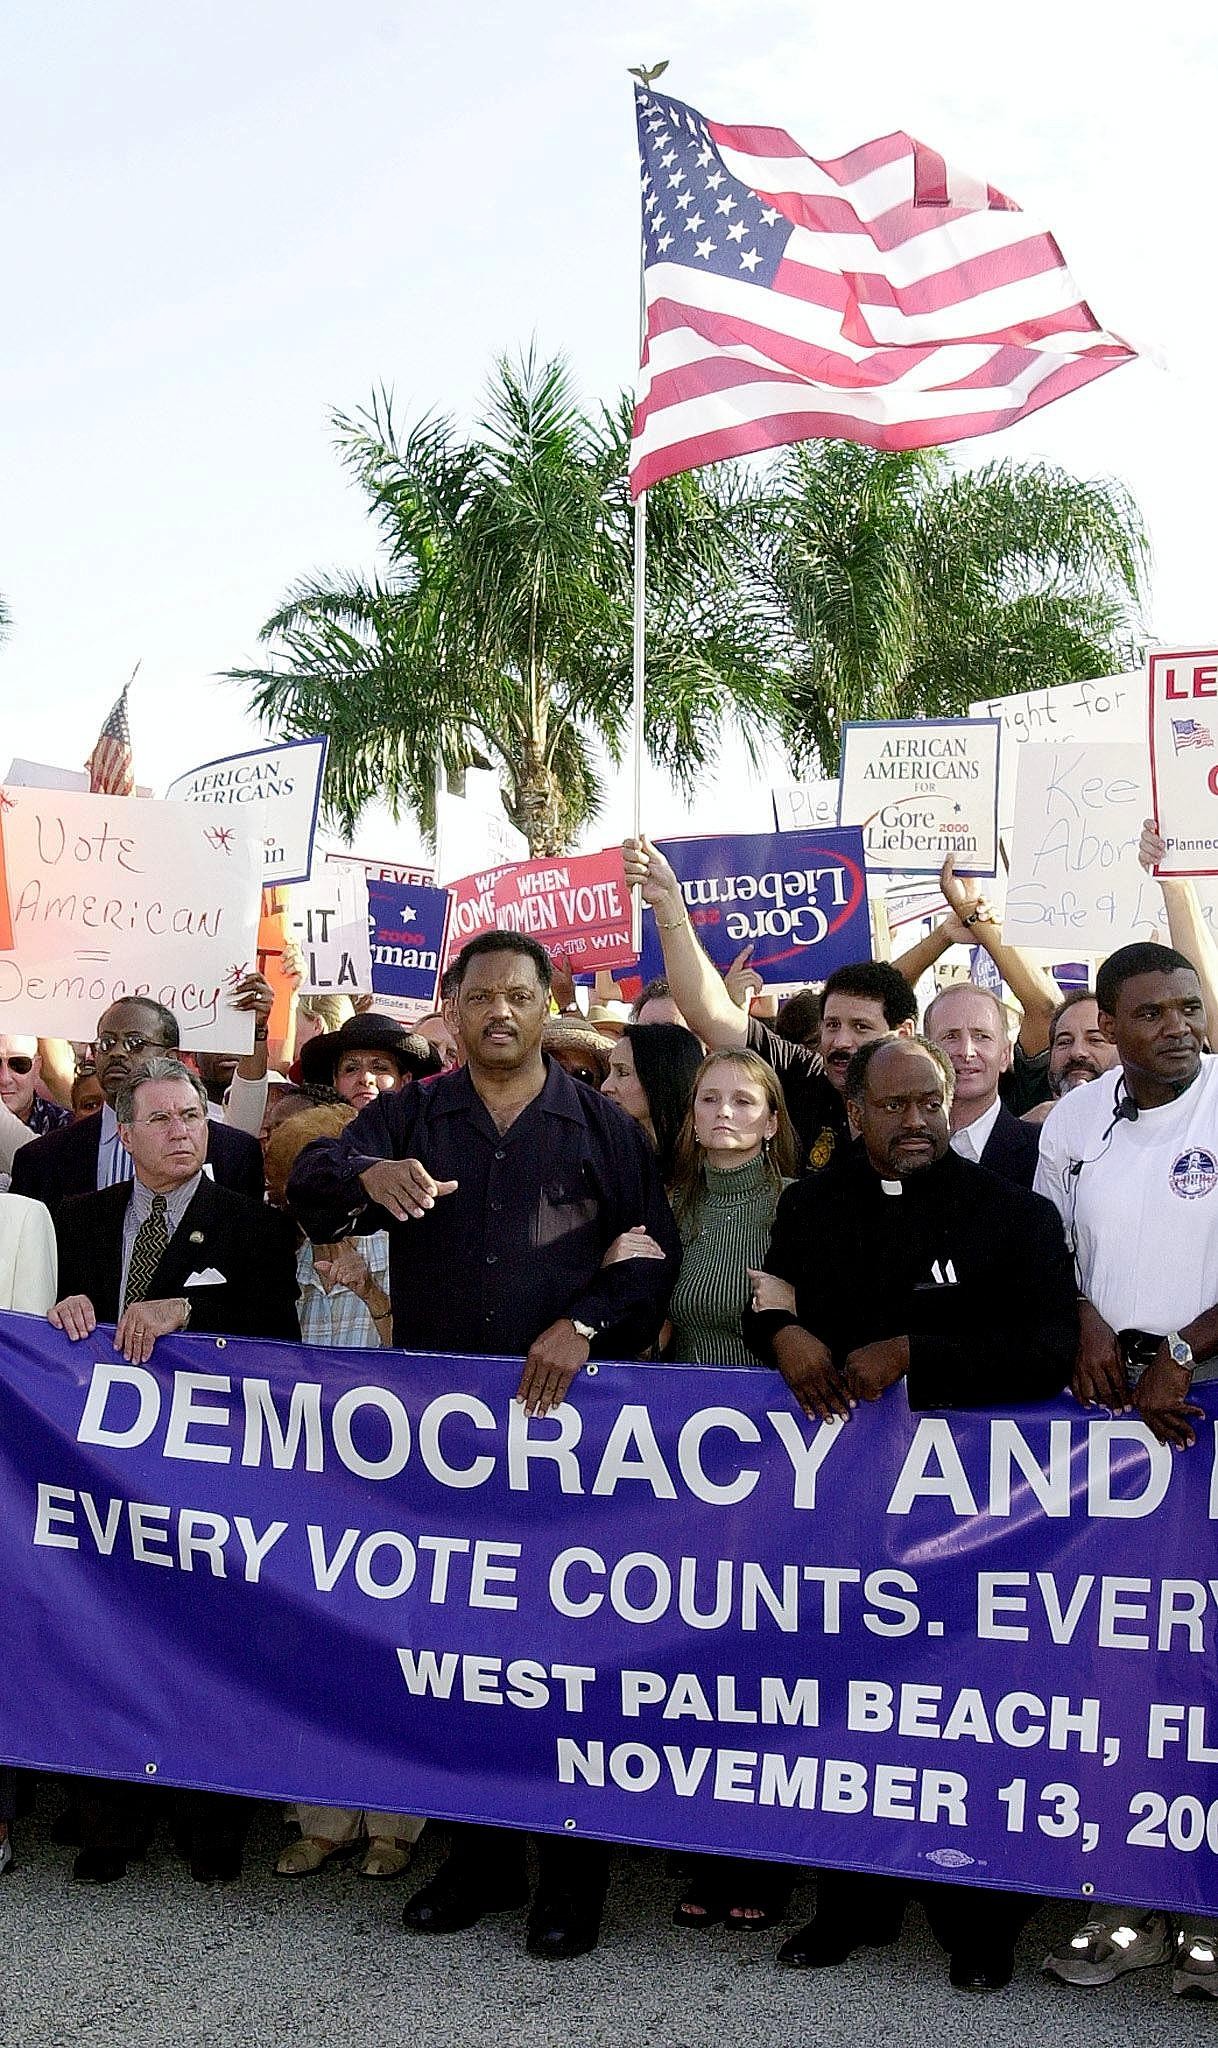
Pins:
x,y
1186,732
110,765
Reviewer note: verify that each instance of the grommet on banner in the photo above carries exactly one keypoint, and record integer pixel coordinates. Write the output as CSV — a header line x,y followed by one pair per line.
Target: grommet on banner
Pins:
x,y
221,1343
590,1372
150,1770
568,1823
1087,1890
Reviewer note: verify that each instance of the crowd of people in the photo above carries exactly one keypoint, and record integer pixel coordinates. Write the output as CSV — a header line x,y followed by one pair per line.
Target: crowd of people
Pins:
x,y
704,1184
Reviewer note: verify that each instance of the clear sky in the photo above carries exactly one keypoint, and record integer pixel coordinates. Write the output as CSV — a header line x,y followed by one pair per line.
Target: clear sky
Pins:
x,y
222,220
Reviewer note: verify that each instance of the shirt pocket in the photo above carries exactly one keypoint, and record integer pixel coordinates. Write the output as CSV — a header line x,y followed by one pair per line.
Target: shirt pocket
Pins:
x,y
567,1216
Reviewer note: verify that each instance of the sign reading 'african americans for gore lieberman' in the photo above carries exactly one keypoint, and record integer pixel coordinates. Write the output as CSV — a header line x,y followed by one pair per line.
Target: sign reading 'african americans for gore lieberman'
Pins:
x,y
921,788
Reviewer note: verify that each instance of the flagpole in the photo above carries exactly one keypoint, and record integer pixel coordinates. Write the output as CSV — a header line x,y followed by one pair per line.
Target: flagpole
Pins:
x,y
645,73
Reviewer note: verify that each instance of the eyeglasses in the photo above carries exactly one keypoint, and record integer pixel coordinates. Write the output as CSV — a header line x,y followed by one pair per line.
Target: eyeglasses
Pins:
x,y
17,1063
131,1041
161,1119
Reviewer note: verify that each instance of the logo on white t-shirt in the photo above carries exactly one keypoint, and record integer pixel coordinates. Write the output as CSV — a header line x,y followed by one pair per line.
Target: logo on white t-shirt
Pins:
x,y
1194,1173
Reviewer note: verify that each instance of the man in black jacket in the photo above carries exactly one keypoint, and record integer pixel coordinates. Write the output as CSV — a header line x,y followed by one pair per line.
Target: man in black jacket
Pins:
x,y
85,1156
972,1027
911,1263
161,1252
502,1186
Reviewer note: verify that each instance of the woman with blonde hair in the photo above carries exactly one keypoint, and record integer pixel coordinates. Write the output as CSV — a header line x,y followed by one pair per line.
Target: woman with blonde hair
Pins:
x,y
735,1152
734,1155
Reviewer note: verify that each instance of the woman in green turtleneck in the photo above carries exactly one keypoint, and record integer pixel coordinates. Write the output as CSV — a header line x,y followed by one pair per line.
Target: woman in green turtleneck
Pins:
x,y
733,1158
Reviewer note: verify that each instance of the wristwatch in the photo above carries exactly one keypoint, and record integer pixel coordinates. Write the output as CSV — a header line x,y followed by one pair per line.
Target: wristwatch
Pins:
x,y
1180,1352
586,1330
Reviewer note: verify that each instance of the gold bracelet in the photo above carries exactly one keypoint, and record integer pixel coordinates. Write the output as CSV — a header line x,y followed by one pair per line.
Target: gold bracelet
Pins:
x,y
674,926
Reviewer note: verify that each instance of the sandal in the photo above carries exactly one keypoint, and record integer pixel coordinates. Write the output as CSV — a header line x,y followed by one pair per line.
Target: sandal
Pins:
x,y
309,1854
703,1902
385,1858
763,1908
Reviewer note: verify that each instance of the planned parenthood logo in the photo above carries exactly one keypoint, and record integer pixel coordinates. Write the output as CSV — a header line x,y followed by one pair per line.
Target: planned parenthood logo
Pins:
x,y
1194,1173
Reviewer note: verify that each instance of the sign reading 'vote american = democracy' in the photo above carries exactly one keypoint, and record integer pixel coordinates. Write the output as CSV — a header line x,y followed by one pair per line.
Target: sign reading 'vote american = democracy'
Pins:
x,y
976,1647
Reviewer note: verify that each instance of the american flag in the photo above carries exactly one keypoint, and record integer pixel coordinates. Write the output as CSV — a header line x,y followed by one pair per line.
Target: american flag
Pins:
x,y
882,297
110,766
1186,732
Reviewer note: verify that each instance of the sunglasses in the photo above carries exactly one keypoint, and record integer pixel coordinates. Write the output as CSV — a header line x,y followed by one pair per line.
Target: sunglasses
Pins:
x,y
131,1041
17,1063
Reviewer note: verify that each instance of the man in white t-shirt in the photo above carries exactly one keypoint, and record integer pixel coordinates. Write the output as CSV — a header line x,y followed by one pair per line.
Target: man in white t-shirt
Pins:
x,y
1131,1163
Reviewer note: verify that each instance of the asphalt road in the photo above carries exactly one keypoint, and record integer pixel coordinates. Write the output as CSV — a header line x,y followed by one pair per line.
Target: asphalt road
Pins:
x,y
324,1962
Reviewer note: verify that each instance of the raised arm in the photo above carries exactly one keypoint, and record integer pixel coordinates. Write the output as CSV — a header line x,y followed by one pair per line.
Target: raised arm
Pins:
x,y
1031,984
696,984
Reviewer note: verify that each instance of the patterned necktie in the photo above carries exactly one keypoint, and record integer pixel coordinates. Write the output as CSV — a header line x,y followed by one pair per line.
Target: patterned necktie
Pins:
x,y
151,1239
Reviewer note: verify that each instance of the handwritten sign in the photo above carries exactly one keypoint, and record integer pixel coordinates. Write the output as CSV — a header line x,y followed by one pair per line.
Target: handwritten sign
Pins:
x,y
328,919
1183,725
805,806
1074,850
275,792
1098,708
110,897
577,907
922,788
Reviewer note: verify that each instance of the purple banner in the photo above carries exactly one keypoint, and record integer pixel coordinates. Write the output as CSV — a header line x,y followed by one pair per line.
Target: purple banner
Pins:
x,y
973,1647
799,899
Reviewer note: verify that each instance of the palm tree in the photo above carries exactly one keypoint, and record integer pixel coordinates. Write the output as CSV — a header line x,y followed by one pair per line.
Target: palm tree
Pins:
x,y
912,587
498,629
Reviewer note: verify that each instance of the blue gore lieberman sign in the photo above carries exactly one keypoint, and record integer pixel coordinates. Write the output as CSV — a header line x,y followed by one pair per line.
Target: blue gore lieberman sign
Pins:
x,y
973,1647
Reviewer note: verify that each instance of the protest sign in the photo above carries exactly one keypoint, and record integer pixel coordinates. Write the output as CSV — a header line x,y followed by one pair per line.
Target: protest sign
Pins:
x,y
805,806
110,897
963,1647
41,775
473,909
275,792
1074,867
922,788
577,907
407,928
1098,709
1183,724
328,918
408,874
472,831
798,898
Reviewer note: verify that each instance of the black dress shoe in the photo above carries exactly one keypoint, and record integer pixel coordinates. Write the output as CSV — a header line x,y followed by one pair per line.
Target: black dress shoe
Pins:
x,y
65,1832
827,1941
215,1859
560,1928
454,1900
982,1969
99,1866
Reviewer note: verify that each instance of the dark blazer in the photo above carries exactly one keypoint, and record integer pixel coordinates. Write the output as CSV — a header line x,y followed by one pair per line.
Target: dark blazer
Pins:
x,y
975,1272
1011,1150
65,1162
252,1246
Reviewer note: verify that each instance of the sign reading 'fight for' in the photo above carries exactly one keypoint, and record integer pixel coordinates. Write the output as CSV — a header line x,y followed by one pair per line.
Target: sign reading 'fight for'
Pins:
x,y
921,789
799,899
976,1647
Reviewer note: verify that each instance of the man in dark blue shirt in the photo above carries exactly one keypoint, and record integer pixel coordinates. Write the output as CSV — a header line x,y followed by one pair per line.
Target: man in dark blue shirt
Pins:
x,y
503,1185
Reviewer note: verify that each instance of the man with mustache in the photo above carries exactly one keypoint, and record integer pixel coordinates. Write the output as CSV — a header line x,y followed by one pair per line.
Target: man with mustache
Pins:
x,y
1079,1052
502,1185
